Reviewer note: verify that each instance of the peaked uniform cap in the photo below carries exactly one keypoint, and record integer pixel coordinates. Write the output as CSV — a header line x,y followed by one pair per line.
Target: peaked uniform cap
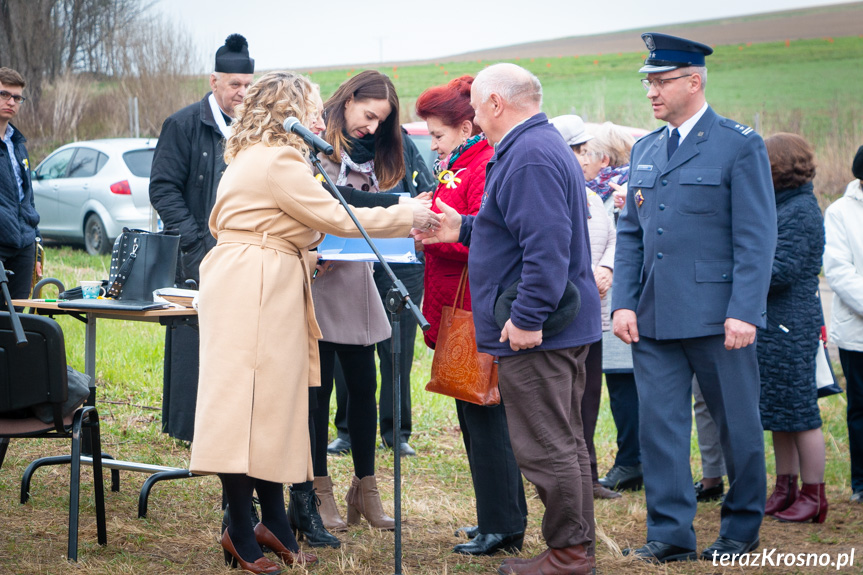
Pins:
x,y
671,52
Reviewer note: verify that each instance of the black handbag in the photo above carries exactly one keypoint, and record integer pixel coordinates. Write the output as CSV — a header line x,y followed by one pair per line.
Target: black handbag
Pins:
x,y
142,262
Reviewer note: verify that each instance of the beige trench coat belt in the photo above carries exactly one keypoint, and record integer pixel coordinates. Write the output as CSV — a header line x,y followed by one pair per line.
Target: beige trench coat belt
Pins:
x,y
274,243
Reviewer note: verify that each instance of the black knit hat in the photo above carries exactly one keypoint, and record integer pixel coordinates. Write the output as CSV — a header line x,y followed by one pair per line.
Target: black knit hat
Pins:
x,y
233,57
857,166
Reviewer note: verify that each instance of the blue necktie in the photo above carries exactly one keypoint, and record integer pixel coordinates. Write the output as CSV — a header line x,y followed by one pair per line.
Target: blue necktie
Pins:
x,y
673,141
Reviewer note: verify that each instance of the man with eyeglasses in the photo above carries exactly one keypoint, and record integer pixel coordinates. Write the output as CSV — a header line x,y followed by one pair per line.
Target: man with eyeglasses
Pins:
x,y
695,247
18,217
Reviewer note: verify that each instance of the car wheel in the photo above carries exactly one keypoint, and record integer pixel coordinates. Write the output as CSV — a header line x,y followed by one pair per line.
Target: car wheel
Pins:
x,y
95,237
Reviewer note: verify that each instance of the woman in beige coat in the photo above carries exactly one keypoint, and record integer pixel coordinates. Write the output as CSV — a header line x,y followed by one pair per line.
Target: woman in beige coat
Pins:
x,y
258,329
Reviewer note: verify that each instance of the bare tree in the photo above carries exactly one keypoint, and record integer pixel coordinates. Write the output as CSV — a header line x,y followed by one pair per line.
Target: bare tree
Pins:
x,y
47,39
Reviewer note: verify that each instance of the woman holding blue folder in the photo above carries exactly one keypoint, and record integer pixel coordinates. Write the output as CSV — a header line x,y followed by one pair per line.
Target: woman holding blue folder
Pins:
x,y
363,127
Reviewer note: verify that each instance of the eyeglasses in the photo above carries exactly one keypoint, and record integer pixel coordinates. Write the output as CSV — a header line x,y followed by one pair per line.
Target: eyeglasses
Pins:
x,y
659,83
4,95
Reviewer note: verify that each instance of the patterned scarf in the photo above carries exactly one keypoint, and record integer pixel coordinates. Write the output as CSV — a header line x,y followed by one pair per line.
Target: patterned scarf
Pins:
x,y
443,164
363,149
608,175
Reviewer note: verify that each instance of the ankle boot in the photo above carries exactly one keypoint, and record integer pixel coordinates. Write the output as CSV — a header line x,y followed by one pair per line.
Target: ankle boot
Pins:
x,y
568,561
329,512
306,521
364,499
784,494
811,505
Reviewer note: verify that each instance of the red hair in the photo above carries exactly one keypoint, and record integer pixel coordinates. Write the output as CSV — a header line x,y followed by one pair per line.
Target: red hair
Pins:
x,y
449,103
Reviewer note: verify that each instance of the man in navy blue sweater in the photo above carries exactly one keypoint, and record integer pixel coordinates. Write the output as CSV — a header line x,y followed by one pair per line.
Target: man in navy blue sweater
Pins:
x,y
532,229
18,217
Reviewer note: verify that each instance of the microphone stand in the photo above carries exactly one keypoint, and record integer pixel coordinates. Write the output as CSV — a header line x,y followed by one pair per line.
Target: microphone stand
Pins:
x,y
397,299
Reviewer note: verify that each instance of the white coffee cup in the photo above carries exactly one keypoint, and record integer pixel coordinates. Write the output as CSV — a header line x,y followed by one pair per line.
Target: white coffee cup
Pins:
x,y
91,289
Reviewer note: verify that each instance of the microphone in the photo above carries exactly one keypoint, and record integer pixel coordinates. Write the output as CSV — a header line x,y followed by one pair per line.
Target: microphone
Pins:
x,y
291,124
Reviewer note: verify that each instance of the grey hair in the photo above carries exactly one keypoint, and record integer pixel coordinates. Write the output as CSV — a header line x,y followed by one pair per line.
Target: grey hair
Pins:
x,y
700,71
513,83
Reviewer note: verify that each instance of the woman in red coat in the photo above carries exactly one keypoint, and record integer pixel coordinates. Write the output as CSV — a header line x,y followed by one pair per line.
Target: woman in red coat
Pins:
x,y
463,153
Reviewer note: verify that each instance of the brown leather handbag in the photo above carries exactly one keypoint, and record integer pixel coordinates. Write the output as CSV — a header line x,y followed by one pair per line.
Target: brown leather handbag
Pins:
x,y
458,369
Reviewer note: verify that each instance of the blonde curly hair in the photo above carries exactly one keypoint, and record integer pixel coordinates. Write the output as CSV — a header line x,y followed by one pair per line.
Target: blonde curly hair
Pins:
x,y
269,101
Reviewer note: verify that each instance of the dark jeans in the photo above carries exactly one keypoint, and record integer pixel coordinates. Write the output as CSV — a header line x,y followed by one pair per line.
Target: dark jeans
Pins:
x,y
852,366
21,263
623,399
497,485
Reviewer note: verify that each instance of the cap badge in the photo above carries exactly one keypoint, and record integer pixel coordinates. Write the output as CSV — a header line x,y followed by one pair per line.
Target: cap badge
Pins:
x,y
648,41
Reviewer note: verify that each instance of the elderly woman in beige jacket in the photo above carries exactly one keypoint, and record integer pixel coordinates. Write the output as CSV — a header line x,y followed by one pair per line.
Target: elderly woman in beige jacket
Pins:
x,y
258,329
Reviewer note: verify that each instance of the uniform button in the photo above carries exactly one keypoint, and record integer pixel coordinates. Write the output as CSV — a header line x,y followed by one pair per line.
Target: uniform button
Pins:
x,y
725,276
205,154
659,255
664,182
661,206
660,231
639,181
698,179
201,177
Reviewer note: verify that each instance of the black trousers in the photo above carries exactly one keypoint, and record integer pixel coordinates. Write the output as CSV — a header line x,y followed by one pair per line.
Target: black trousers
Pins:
x,y
358,364
20,262
411,276
852,366
623,400
590,401
497,484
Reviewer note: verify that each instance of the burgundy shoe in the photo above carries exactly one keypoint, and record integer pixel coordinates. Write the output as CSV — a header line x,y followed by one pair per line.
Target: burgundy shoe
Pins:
x,y
568,561
811,505
784,494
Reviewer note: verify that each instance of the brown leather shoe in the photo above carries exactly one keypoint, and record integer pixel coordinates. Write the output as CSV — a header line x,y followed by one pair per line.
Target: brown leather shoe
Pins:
x,y
329,512
568,561
266,537
364,499
261,565
601,492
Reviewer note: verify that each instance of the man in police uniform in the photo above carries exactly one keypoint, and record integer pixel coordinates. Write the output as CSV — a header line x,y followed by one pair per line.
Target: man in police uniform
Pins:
x,y
694,253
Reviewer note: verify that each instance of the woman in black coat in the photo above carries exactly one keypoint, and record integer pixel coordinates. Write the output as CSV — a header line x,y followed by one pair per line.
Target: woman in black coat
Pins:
x,y
787,346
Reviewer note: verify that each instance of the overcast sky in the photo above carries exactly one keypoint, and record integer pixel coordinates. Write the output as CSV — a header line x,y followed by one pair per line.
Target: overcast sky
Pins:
x,y
289,34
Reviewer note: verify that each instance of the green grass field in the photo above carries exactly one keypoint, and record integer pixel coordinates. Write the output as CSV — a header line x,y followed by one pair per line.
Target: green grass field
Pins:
x,y
806,87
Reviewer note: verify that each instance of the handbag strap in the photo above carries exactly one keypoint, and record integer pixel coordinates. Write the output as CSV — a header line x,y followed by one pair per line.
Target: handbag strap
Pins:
x,y
123,272
458,301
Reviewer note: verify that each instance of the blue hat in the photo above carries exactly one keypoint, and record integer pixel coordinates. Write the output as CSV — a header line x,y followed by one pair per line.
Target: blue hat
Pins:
x,y
670,52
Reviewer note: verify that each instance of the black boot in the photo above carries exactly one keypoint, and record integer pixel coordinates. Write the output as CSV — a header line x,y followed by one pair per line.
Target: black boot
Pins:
x,y
306,521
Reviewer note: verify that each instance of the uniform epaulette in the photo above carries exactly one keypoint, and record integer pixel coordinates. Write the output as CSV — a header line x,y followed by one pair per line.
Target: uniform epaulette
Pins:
x,y
741,128
656,131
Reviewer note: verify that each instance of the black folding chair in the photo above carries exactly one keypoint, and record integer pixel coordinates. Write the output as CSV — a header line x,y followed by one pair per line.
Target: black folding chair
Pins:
x,y
33,372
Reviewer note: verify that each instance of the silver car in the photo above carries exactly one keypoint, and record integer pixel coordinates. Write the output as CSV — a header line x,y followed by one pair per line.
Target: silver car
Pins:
x,y
89,191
